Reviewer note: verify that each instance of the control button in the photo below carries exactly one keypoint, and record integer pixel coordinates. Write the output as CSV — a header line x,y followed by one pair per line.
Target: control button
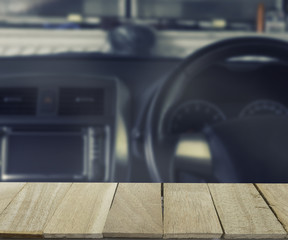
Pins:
x,y
48,101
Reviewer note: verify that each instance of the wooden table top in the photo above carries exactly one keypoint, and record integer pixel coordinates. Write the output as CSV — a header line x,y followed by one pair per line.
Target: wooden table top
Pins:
x,y
143,210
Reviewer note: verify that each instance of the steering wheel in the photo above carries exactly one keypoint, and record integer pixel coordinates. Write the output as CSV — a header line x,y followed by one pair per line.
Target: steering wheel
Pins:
x,y
240,150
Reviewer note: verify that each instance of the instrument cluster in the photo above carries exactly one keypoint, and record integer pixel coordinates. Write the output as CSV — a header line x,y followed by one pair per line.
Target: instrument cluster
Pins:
x,y
194,115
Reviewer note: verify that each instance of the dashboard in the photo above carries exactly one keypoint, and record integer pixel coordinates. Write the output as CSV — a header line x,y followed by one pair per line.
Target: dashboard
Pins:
x,y
127,85
222,92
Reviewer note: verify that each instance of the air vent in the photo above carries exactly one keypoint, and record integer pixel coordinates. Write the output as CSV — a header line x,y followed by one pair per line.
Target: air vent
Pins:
x,y
81,101
18,101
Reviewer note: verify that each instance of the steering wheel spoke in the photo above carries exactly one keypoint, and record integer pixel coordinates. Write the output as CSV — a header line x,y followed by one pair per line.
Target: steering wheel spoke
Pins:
x,y
193,155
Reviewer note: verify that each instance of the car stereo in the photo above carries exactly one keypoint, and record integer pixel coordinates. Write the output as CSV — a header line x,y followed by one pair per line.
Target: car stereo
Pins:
x,y
66,154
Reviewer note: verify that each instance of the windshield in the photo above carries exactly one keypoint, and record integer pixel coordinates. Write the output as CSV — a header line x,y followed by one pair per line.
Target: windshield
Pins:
x,y
142,28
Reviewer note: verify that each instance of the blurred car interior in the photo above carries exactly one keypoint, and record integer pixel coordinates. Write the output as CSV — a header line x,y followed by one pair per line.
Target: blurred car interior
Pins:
x,y
144,90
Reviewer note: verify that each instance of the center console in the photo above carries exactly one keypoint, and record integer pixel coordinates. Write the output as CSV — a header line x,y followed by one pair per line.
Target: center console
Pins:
x,y
64,128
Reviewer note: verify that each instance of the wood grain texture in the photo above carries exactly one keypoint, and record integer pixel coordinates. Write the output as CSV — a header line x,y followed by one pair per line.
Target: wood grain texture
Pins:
x,y
7,192
83,211
136,211
244,213
277,197
29,211
189,212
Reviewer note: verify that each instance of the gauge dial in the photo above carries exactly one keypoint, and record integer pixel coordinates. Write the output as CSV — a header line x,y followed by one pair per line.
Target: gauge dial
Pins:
x,y
264,108
193,116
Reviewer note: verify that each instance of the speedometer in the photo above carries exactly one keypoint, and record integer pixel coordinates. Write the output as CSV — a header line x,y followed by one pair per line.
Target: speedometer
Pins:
x,y
264,107
193,116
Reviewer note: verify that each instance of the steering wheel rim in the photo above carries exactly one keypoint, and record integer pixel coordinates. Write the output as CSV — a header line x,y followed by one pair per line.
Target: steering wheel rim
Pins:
x,y
158,146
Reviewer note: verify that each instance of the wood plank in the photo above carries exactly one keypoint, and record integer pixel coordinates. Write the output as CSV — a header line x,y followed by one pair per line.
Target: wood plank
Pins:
x,y
136,212
83,211
189,212
29,211
277,197
244,213
7,193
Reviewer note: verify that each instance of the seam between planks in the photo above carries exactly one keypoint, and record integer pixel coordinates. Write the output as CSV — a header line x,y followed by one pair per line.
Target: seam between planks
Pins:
x,y
223,231
112,202
48,220
12,199
268,204
91,216
162,210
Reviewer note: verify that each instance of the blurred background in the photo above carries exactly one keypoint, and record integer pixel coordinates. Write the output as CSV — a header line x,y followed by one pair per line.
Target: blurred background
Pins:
x,y
140,42
172,28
